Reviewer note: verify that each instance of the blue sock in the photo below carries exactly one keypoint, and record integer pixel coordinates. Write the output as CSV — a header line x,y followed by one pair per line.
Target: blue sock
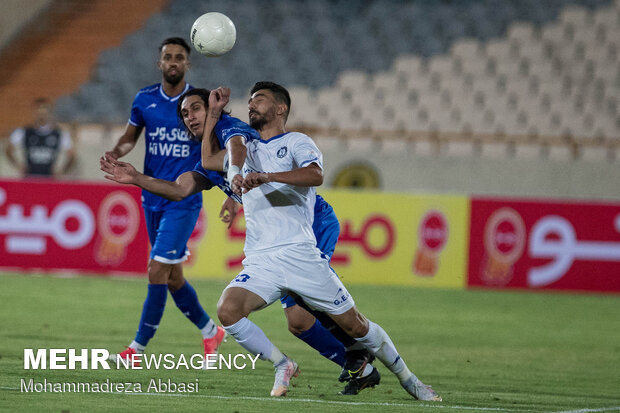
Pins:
x,y
187,301
152,312
320,339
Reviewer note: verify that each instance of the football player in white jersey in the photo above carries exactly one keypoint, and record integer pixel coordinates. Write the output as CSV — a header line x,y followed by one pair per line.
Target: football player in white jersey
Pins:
x,y
277,182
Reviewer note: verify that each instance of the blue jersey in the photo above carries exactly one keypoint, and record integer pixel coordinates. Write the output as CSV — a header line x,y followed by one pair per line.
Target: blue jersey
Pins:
x,y
169,149
216,179
228,126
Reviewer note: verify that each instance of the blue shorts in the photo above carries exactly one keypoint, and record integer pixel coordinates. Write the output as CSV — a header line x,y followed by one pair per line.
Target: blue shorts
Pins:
x,y
326,230
169,231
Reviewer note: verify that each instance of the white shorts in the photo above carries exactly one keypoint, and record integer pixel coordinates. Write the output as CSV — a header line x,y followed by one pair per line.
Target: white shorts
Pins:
x,y
298,268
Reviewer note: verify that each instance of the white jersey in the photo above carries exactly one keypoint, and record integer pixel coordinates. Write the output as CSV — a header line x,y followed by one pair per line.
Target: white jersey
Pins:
x,y
278,214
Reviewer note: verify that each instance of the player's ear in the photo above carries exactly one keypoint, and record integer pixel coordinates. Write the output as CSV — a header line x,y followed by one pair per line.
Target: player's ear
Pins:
x,y
281,109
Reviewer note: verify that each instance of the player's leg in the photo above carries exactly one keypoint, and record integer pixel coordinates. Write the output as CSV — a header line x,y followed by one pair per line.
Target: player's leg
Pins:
x,y
377,341
358,361
357,368
175,229
307,328
325,291
157,293
186,299
249,292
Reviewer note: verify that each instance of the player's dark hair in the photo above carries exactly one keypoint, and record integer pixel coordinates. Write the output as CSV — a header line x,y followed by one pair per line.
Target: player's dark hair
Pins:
x,y
42,101
175,40
203,94
279,93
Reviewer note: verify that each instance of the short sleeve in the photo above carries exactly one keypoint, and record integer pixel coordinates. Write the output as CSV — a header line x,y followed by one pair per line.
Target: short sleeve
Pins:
x,y
306,152
228,127
17,137
136,118
65,141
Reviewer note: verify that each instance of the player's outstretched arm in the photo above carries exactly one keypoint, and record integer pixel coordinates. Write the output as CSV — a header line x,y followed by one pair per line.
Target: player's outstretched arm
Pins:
x,y
185,185
311,175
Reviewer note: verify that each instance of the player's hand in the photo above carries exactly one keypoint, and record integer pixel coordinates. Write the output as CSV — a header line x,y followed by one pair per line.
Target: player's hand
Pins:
x,y
254,179
218,99
236,184
121,172
229,211
111,154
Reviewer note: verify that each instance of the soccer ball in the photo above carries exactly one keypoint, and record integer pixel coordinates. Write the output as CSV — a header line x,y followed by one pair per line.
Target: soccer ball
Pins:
x,y
213,34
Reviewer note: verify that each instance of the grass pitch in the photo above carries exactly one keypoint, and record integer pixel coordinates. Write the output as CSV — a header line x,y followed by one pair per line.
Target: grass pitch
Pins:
x,y
481,350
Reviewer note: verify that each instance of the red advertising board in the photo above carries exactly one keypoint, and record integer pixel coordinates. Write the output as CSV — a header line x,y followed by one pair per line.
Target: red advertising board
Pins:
x,y
544,245
86,226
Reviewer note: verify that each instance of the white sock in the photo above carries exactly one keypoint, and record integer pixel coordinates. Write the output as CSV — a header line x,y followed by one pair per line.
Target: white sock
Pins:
x,y
137,346
254,340
380,345
209,330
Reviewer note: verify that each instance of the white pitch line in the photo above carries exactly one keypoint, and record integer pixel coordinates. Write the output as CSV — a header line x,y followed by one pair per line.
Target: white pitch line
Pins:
x,y
290,400
602,409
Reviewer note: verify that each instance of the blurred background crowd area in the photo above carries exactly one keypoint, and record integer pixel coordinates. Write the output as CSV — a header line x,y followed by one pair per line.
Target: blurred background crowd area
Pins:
x,y
497,97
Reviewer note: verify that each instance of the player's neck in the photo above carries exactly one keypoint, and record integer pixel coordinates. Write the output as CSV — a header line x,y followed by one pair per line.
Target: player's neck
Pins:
x,y
43,124
173,90
269,132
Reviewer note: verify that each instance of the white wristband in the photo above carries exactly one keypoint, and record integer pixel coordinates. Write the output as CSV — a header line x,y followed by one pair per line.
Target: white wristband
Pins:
x,y
232,171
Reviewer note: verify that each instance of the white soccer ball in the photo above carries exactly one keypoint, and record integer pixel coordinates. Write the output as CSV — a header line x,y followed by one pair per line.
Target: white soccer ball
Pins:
x,y
213,34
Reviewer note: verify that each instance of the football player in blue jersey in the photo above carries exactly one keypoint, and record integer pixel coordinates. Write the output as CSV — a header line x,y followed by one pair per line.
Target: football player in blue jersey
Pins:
x,y
355,360
169,153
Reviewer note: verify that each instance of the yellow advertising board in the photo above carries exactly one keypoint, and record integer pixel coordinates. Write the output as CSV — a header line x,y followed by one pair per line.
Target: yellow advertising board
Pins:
x,y
397,239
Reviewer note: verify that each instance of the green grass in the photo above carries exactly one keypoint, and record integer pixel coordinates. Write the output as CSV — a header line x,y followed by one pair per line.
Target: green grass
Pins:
x,y
481,350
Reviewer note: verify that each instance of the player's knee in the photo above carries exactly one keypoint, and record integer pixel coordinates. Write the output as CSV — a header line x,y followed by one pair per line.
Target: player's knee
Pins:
x,y
159,273
299,320
296,329
358,329
175,284
228,313
354,324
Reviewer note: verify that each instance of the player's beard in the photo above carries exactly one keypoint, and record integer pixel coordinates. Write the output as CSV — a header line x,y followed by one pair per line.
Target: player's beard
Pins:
x,y
174,79
259,120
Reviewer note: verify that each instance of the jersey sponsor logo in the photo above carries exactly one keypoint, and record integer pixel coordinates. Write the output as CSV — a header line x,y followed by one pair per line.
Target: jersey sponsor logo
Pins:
x,y
282,152
174,134
163,142
176,150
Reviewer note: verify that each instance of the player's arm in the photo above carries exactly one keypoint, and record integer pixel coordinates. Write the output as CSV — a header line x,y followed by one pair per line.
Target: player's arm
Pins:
x,y
11,147
126,142
10,155
69,152
69,161
237,152
229,211
211,155
310,175
185,185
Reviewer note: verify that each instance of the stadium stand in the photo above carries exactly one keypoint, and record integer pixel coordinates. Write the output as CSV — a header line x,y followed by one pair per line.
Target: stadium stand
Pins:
x,y
527,81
